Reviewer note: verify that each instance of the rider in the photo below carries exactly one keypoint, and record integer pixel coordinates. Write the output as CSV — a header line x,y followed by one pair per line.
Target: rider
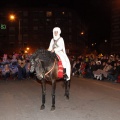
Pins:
x,y
57,45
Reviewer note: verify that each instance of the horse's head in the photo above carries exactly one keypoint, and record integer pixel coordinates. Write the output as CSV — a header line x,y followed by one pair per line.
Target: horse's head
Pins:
x,y
33,62
41,62
37,66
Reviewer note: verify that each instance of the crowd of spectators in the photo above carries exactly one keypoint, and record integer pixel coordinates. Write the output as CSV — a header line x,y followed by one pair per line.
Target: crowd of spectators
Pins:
x,y
103,67
16,66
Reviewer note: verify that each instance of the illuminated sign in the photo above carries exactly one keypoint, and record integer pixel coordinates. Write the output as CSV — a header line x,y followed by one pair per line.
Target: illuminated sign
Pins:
x,y
3,26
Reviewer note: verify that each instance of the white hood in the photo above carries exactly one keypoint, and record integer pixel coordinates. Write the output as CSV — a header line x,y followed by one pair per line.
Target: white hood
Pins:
x,y
59,32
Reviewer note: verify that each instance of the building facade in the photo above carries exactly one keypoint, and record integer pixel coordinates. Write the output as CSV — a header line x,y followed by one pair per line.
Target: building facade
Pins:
x,y
32,27
115,27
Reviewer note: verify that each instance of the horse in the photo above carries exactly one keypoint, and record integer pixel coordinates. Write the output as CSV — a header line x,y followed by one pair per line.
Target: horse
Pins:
x,y
45,65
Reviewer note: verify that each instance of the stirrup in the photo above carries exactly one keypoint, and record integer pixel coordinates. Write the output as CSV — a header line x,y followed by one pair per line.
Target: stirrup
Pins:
x,y
65,76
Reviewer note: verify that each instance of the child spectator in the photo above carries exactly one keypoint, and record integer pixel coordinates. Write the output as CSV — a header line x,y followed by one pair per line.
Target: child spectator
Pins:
x,y
6,71
14,70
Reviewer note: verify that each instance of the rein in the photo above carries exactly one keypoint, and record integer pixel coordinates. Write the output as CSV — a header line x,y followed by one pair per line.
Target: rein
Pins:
x,y
50,69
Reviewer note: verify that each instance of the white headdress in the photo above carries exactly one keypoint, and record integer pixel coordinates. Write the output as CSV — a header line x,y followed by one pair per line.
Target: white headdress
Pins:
x,y
59,32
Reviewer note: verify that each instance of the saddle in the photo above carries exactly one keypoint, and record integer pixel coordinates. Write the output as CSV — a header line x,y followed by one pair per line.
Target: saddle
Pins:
x,y
60,68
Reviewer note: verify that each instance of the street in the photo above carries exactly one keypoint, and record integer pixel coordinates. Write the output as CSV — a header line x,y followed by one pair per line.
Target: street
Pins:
x,y
89,100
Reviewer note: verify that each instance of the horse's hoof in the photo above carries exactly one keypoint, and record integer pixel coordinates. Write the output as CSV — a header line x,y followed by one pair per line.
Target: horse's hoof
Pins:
x,y
42,107
52,108
67,97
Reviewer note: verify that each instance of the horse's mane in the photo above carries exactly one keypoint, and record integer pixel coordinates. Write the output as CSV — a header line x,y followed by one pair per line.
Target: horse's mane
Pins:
x,y
44,55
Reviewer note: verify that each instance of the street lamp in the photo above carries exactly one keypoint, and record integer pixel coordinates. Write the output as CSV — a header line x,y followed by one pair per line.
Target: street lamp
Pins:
x,y
12,17
27,48
82,33
19,33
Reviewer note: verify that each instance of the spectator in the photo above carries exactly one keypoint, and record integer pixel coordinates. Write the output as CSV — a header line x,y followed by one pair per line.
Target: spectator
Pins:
x,y
14,70
14,59
113,75
21,68
97,74
6,71
27,67
103,73
92,66
76,67
5,59
82,68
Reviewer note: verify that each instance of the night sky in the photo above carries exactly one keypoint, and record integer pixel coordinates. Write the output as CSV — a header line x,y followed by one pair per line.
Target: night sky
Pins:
x,y
96,13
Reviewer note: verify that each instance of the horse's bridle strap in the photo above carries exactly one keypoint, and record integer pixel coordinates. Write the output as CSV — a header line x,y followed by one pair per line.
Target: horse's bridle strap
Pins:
x,y
50,69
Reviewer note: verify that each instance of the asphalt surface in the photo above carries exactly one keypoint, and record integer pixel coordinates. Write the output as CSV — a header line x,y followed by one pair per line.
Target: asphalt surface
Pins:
x,y
89,100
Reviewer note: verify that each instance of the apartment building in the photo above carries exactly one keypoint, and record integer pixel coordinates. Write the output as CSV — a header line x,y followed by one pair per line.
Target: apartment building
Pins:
x,y
115,27
32,27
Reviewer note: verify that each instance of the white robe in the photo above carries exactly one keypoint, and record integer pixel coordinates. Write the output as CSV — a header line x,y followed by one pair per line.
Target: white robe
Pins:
x,y
60,51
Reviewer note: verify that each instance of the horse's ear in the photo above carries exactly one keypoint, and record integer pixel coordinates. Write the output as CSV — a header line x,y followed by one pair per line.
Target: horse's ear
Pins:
x,y
36,59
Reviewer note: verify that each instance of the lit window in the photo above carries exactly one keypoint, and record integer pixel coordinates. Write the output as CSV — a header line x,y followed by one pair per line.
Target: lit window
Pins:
x,y
48,14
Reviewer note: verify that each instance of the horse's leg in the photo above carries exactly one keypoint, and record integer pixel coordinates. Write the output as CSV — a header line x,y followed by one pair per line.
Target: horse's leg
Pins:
x,y
67,88
53,95
43,85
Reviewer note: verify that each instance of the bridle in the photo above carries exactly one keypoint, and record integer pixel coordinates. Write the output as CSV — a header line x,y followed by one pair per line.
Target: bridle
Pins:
x,y
38,64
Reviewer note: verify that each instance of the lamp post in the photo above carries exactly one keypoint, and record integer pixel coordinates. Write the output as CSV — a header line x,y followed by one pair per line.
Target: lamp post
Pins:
x,y
12,17
19,33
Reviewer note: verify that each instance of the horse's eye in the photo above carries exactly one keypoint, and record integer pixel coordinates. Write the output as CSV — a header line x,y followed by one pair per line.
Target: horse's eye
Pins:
x,y
32,63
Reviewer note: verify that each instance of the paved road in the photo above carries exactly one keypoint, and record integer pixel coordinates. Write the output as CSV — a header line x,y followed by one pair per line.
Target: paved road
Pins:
x,y
89,100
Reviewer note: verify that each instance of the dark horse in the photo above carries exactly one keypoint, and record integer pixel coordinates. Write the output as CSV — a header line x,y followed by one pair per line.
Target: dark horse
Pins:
x,y
45,65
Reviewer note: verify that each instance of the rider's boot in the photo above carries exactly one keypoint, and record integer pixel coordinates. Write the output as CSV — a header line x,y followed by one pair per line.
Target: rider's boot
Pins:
x,y
64,73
